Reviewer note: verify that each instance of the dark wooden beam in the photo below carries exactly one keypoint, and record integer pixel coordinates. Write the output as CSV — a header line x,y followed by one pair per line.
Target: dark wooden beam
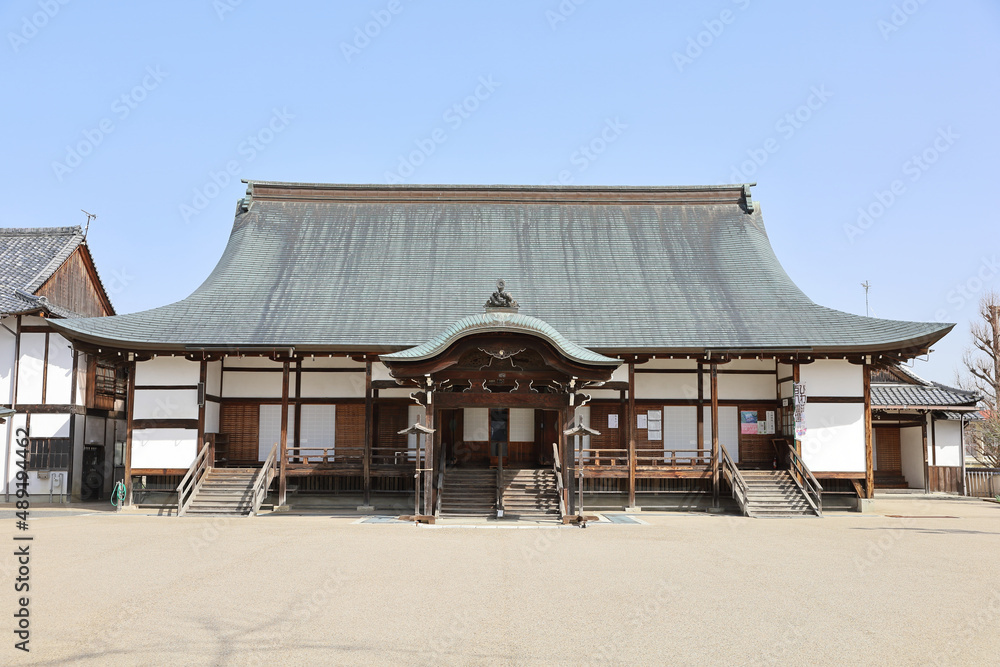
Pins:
x,y
283,443
632,426
869,447
369,404
130,407
715,434
192,424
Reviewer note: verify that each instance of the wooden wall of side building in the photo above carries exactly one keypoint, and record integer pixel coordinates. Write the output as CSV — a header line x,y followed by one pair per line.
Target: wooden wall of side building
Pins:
x,y
75,286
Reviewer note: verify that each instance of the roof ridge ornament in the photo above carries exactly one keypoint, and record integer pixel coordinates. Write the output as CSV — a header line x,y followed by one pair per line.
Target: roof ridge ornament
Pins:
x,y
501,301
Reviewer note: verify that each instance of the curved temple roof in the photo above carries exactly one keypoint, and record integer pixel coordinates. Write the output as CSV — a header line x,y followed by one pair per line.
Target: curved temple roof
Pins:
x,y
383,268
502,322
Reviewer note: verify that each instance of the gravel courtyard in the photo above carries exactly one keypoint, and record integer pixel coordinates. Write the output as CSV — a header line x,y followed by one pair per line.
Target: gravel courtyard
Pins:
x,y
131,589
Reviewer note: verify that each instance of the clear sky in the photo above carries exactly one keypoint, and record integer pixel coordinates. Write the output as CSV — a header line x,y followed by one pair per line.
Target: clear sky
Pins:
x,y
870,126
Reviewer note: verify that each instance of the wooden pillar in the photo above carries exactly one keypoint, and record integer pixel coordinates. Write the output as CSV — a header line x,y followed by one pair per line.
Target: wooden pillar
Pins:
x,y
568,461
715,434
429,440
700,409
130,409
297,406
202,400
367,456
631,433
869,448
923,437
283,442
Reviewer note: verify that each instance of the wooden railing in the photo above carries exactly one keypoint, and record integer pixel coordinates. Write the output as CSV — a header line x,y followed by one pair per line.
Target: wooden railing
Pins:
x,y
314,455
192,480
499,500
602,457
674,458
557,469
262,481
982,482
735,479
811,488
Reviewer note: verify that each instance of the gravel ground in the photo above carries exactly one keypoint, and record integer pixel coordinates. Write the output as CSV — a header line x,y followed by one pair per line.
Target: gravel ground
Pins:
x,y
132,589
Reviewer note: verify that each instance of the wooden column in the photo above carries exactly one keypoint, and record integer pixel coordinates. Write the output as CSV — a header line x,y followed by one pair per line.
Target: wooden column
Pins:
x,y
429,440
715,435
367,456
297,405
283,442
631,433
128,432
923,437
869,449
202,377
568,461
700,409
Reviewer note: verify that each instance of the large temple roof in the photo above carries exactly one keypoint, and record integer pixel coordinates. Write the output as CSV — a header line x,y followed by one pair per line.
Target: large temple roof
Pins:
x,y
383,268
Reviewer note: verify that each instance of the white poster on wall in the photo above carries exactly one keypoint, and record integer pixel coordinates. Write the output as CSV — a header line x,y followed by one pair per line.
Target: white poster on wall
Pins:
x,y
654,424
770,422
641,421
612,421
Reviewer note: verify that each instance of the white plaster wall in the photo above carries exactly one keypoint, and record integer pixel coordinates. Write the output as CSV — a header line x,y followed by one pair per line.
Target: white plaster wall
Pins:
x,y
213,378
680,428
8,342
835,437
666,385
522,424
784,370
167,370
163,447
81,379
746,387
476,425
787,389
620,374
6,431
912,456
332,385
59,381
832,377
668,363
749,365
251,362
333,362
269,430
380,372
211,417
401,392
254,385
49,426
165,404
947,443
602,394
729,430
31,363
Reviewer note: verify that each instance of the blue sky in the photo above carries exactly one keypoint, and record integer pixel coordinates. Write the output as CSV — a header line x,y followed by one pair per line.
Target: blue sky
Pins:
x,y
869,126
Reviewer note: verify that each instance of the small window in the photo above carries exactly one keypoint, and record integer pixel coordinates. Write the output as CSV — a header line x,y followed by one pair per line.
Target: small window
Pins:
x,y
48,453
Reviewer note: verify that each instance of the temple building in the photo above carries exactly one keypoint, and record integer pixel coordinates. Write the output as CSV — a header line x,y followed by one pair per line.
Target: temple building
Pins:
x,y
439,344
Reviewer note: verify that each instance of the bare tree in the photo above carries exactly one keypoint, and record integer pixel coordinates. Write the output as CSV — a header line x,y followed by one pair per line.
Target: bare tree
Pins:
x,y
982,364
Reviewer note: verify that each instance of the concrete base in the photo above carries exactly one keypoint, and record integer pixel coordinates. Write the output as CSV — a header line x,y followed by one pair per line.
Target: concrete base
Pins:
x,y
865,505
716,510
366,508
280,508
632,510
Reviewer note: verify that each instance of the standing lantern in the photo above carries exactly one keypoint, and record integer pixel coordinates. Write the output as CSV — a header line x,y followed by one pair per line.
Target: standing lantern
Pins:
x,y
579,431
418,429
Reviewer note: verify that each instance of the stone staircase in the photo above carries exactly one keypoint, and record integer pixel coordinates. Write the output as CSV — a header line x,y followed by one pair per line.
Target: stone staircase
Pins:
x,y
773,493
530,494
469,493
225,492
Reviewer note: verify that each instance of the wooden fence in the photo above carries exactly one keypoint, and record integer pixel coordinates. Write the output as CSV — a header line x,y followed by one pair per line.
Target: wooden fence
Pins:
x,y
982,482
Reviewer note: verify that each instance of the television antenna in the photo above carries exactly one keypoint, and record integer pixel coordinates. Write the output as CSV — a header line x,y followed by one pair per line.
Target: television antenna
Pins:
x,y
90,216
867,287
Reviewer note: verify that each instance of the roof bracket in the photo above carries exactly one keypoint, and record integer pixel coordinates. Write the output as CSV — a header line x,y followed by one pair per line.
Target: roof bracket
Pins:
x,y
746,196
247,201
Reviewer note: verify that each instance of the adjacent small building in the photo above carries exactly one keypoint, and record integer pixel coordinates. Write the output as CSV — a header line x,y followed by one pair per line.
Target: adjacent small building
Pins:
x,y
70,402
659,317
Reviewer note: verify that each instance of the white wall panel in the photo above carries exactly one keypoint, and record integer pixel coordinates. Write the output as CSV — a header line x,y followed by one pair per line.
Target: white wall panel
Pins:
x,y
729,430
749,365
333,385
253,385
835,437
252,362
380,372
476,425
165,404
680,427
333,362
213,378
669,363
163,447
8,343
746,387
911,450
31,363
167,370
522,425
319,429
59,380
947,443
269,429
666,385
211,417
832,377
620,374
81,379
49,426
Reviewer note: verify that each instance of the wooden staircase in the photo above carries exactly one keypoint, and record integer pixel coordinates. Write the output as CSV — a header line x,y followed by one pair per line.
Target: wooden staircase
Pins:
x,y
469,493
530,493
773,493
890,480
225,492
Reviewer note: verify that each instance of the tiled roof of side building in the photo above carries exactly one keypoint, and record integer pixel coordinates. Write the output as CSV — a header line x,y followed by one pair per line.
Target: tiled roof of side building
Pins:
x,y
28,257
382,268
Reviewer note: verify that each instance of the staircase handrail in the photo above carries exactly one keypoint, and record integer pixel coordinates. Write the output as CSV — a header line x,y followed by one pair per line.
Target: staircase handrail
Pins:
x,y
736,481
809,485
189,485
262,481
557,469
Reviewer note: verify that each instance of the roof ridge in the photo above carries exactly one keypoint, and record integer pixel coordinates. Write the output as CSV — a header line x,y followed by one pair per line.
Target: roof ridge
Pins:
x,y
41,231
